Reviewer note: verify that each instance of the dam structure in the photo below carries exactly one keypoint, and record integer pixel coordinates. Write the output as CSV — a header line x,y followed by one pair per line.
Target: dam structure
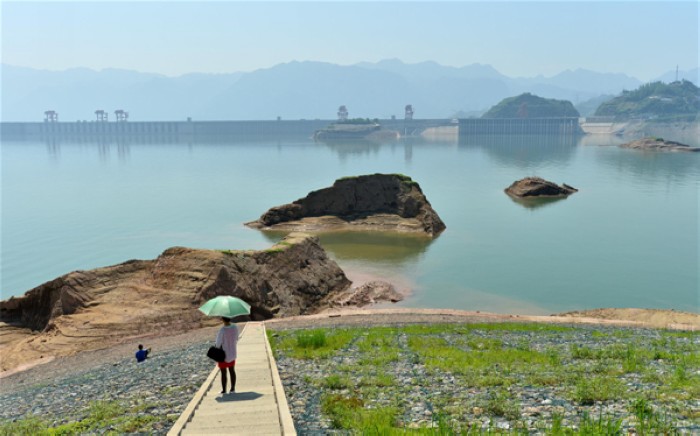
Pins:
x,y
519,126
194,129
222,131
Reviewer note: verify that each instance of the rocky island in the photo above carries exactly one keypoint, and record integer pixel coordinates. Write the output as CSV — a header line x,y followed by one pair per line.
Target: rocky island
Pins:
x,y
658,144
536,187
88,310
391,202
531,106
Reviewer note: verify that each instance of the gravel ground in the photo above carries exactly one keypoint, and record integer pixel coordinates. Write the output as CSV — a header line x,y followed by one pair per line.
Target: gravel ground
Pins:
x,y
423,393
61,391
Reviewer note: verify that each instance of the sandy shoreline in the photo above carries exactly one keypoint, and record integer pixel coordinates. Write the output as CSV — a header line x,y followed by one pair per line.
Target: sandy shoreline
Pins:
x,y
50,368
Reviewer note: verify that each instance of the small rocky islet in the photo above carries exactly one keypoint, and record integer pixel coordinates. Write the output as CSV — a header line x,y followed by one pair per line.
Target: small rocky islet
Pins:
x,y
536,187
658,144
385,202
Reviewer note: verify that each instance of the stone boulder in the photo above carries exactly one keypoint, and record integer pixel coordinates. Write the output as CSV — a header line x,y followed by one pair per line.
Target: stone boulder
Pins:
x,y
369,202
658,144
532,187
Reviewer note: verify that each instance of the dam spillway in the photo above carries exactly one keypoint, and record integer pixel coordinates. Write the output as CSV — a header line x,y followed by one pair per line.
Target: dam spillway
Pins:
x,y
519,126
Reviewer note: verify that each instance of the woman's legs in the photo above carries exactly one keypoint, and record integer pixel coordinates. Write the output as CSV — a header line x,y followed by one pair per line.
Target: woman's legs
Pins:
x,y
232,370
223,380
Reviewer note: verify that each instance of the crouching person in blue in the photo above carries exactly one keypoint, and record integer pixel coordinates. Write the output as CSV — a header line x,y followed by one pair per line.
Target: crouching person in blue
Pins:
x,y
142,354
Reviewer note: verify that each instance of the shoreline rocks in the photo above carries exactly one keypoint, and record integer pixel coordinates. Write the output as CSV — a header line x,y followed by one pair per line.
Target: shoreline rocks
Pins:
x,y
368,293
369,202
536,187
86,310
658,144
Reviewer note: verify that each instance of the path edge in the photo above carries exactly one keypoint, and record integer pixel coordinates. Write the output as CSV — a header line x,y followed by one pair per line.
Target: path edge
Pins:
x,y
186,414
285,416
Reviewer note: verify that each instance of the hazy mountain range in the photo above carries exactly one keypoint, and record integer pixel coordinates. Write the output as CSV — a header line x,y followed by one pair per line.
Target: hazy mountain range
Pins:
x,y
293,90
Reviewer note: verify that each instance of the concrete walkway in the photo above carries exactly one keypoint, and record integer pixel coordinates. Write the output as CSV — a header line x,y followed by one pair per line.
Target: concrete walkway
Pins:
x,y
258,407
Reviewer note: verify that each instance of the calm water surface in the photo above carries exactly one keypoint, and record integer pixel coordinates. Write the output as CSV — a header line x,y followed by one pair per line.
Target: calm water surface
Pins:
x,y
628,238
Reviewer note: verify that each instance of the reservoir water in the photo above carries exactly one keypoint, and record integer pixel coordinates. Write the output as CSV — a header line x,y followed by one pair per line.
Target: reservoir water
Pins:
x,y
628,238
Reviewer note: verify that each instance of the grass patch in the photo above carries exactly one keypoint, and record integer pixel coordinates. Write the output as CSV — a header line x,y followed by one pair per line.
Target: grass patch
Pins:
x,y
100,415
426,329
648,421
30,425
336,382
313,344
349,413
487,363
383,380
500,403
588,390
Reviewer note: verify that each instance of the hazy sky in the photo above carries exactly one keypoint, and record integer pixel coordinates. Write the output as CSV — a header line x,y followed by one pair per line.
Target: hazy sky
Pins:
x,y
522,38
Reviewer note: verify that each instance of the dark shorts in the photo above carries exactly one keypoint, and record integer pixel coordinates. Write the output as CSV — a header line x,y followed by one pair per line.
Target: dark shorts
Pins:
x,y
224,365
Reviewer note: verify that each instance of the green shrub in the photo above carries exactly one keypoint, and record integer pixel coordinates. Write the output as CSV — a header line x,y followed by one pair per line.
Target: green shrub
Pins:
x,y
337,382
29,426
312,339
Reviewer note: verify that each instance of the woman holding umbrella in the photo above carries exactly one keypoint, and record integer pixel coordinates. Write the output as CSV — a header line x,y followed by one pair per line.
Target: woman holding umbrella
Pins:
x,y
227,307
227,338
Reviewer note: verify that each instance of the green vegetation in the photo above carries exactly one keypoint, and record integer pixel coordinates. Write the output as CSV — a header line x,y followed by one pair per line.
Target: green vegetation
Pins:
x,y
100,415
471,374
279,247
531,106
313,344
672,101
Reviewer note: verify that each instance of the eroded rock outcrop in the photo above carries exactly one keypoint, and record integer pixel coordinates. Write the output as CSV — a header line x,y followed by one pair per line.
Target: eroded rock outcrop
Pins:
x,y
533,187
369,202
658,144
93,309
376,291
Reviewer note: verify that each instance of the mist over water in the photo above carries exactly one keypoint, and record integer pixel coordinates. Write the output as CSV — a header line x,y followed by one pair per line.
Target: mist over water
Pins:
x,y
628,238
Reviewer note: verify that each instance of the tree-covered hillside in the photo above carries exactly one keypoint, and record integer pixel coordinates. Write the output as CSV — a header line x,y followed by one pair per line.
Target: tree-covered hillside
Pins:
x,y
655,100
531,106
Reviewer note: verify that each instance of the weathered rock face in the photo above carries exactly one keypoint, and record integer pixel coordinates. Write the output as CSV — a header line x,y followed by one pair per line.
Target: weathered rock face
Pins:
x,y
531,187
658,144
366,294
93,309
361,199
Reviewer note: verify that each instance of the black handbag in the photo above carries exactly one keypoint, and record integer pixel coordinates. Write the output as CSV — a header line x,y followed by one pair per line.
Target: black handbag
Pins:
x,y
216,354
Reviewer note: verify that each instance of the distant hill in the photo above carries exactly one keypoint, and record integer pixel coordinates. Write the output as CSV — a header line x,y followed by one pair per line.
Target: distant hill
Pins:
x,y
587,108
654,100
291,90
690,75
531,106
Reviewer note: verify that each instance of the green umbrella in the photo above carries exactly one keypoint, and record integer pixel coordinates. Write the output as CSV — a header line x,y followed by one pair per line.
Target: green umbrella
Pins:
x,y
225,305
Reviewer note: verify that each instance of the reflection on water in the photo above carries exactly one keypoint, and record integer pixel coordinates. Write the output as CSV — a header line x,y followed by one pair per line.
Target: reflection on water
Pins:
x,y
536,202
650,165
523,151
352,147
349,148
385,247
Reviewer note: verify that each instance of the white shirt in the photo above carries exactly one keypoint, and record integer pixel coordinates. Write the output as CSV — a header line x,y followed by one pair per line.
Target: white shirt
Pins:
x,y
227,338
